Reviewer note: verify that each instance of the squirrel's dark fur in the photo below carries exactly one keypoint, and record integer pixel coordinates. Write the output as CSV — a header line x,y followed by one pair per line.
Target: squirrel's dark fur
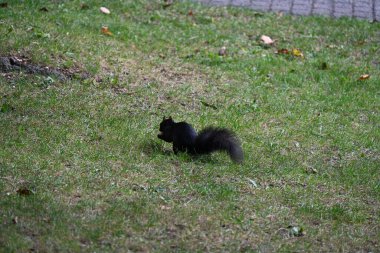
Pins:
x,y
210,139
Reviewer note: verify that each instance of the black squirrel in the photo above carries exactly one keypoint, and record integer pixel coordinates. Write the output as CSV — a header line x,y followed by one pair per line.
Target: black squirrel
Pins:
x,y
210,139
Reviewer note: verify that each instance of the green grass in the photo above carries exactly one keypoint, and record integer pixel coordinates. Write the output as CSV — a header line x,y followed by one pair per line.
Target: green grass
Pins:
x,y
100,180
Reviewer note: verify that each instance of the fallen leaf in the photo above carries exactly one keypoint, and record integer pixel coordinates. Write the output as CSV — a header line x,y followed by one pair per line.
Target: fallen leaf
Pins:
x,y
283,51
297,53
364,77
222,51
266,40
44,9
190,13
105,10
4,5
105,30
24,191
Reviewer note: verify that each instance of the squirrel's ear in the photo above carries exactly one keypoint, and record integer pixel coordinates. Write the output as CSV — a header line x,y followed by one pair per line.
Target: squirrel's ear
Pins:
x,y
170,117
163,118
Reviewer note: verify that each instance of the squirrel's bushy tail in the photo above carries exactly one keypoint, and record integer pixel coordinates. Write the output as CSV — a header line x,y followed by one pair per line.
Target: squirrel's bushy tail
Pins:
x,y
214,139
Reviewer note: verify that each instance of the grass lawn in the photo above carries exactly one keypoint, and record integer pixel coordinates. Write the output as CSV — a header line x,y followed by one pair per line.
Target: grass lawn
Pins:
x,y
82,169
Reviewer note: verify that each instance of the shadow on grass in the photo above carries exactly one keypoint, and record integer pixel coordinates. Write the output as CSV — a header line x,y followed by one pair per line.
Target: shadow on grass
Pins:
x,y
155,148
152,148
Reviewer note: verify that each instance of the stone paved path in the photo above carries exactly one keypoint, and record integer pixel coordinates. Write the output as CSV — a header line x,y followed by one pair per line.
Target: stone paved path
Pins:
x,y
365,9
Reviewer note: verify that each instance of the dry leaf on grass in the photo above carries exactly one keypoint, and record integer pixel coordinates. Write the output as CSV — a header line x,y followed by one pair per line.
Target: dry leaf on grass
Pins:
x,y
297,53
105,10
266,40
364,77
105,30
222,51
283,51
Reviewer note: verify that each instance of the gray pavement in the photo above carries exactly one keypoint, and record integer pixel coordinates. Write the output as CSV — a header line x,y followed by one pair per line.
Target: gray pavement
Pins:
x,y
364,9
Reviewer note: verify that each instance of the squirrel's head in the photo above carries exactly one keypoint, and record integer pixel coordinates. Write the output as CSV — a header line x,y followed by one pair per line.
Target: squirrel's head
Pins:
x,y
166,129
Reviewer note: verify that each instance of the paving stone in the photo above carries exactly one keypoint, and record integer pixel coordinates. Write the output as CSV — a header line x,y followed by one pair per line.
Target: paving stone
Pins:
x,y
243,3
363,9
301,7
203,1
343,8
281,5
377,10
219,2
260,5
323,7
367,9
